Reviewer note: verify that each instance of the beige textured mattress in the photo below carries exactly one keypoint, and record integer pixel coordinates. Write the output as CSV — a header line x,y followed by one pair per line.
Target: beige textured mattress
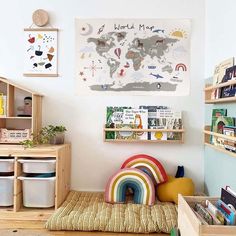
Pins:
x,y
88,212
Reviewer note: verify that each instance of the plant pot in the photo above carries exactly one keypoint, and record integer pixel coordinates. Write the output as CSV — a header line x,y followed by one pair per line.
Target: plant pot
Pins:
x,y
58,138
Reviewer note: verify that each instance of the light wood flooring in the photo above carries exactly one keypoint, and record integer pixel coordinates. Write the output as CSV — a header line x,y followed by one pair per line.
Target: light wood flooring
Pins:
x,y
22,232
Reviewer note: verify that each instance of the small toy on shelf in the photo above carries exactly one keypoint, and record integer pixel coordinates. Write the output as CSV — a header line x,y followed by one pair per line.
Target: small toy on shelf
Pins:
x,y
27,108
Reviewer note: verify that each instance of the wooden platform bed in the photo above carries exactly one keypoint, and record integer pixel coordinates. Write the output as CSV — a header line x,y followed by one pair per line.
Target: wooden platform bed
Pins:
x,y
79,207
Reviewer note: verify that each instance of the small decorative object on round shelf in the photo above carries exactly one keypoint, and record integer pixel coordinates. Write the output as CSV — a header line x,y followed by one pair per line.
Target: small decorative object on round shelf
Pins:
x,y
40,17
26,109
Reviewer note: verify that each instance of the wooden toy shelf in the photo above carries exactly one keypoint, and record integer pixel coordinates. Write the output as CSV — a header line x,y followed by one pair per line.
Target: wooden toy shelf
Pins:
x,y
181,131
209,133
12,119
209,89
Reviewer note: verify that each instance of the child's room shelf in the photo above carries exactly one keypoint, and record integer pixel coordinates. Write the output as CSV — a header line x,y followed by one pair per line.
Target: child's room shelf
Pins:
x,y
14,116
220,100
210,88
62,156
209,133
180,131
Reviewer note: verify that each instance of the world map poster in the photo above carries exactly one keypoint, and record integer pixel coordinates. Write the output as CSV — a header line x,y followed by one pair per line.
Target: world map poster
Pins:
x,y
133,56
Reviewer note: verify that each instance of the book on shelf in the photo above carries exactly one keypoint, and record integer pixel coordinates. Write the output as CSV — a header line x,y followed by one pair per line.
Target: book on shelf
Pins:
x,y
228,198
228,144
216,113
218,124
139,118
170,119
114,116
229,91
152,119
228,212
220,70
126,135
3,105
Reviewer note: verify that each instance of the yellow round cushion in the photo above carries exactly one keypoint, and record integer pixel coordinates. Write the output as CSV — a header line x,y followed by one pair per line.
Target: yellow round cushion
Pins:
x,y
168,192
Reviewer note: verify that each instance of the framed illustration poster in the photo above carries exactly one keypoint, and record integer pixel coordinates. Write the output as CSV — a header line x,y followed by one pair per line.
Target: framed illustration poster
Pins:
x,y
40,49
133,56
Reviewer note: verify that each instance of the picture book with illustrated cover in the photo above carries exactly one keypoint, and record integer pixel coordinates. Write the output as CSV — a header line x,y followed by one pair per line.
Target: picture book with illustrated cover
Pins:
x,y
126,135
218,124
216,113
3,107
220,70
170,119
229,91
114,115
152,117
158,135
138,117
228,144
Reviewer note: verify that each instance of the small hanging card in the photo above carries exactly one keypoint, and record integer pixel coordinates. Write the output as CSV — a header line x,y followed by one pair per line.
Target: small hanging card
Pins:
x,y
40,51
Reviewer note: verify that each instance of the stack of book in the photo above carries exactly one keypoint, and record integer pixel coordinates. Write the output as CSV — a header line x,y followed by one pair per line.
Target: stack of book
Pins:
x,y
144,117
221,212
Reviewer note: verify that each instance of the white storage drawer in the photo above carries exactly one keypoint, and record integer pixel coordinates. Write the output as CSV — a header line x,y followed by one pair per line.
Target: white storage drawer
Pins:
x,y
6,190
6,164
38,192
38,165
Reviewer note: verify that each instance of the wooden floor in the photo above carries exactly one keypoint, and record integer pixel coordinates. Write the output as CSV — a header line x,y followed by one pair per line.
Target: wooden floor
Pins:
x,y
22,232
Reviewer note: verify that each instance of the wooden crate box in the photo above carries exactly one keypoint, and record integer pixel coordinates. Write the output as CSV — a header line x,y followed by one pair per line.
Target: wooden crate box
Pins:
x,y
190,225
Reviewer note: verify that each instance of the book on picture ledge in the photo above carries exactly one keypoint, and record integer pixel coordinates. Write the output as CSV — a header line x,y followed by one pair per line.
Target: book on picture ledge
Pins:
x,y
126,135
216,113
152,118
228,144
114,116
139,118
218,124
229,91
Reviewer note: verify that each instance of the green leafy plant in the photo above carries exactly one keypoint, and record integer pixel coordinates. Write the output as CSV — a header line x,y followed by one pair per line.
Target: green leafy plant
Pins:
x,y
46,134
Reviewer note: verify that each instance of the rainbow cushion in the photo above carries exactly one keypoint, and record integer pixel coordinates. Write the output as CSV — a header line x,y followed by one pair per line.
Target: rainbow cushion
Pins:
x,y
149,165
137,180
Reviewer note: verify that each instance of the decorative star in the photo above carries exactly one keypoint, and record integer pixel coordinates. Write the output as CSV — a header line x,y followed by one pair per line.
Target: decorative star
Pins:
x,y
84,79
81,73
83,28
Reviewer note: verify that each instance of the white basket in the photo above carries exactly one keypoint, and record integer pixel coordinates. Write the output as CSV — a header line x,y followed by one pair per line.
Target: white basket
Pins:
x,y
38,192
38,165
6,165
6,190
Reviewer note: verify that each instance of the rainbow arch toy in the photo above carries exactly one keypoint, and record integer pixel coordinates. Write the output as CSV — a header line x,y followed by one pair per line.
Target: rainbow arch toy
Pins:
x,y
149,165
137,180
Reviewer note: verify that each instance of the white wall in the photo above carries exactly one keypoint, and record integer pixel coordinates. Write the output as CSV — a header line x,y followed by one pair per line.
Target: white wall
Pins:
x,y
220,45
94,161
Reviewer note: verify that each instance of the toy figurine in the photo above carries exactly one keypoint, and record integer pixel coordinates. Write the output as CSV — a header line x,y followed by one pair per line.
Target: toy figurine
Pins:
x,y
27,108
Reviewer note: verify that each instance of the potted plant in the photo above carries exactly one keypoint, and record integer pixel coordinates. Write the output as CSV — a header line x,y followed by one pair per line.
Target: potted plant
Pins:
x,y
53,134
50,134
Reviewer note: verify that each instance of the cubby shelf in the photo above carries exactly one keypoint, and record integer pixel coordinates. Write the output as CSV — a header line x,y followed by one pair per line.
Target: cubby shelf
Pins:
x,y
207,142
208,91
12,119
144,130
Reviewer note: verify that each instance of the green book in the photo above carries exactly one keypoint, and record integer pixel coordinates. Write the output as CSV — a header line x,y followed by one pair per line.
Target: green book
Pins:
x,y
114,116
218,124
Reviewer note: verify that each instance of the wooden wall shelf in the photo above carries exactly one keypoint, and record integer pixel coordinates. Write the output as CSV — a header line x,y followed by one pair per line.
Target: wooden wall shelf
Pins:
x,y
144,130
207,142
210,88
